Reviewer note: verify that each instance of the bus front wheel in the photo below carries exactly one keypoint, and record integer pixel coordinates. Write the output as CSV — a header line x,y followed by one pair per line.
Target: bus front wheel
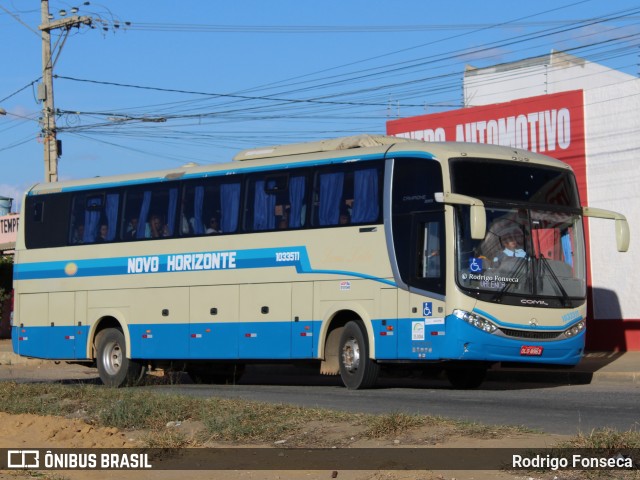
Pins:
x,y
114,368
357,370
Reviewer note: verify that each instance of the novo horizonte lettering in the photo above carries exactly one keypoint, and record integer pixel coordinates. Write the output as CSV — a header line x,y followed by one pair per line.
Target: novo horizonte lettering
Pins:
x,y
183,262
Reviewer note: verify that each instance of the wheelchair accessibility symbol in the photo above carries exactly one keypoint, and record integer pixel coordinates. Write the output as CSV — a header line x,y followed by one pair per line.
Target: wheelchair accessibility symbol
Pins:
x,y
427,309
475,265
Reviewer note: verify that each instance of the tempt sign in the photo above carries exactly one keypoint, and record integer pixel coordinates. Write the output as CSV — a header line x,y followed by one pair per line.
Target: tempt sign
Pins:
x,y
549,124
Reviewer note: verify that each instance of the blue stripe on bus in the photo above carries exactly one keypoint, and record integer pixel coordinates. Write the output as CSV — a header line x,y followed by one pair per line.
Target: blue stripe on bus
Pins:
x,y
394,339
296,257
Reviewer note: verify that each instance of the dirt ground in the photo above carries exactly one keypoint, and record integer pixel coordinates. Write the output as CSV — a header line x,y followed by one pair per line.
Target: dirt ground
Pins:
x,y
31,431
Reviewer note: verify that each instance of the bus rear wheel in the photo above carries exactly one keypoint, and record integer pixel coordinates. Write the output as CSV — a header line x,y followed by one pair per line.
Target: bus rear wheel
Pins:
x,y
357,370
114,368
466,378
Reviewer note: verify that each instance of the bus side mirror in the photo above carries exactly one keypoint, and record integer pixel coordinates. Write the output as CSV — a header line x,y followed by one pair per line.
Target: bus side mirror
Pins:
x,y
623,237
478,220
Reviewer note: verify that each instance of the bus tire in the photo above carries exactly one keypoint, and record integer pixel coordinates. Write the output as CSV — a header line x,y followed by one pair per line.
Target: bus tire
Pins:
x,y
115,369
466,378
357,370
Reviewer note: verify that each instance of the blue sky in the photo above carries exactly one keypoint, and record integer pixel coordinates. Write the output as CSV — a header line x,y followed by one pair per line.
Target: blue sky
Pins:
x,y
225,76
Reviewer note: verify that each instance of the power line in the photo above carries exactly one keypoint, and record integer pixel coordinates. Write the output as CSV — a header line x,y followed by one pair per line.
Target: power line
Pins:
x,y
21,89
19,20
220,95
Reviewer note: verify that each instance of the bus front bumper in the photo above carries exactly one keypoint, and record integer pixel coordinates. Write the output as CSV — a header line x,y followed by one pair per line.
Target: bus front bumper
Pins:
x,y
471,343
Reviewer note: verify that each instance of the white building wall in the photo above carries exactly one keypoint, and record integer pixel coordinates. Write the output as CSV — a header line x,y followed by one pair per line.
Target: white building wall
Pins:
x,y
557,72
612,129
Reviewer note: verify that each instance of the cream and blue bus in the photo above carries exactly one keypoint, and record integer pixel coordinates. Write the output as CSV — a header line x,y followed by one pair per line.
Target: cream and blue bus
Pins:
x,y
356,253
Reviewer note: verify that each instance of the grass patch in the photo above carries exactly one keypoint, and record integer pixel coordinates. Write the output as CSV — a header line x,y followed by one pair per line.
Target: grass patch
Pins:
x,y
606,439
390,425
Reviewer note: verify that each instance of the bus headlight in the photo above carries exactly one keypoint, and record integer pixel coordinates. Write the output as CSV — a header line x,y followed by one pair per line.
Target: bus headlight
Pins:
x,y
476,321
574,329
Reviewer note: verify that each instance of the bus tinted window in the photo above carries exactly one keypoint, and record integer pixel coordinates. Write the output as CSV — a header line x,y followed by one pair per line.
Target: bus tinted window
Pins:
x,y
94,217
150,212
418,223
415,181
342,194
490,179
276,201
47,220
210,206
345,195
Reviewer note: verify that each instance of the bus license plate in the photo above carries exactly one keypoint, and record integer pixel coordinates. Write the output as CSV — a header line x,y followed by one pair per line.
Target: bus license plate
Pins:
x,y
530,351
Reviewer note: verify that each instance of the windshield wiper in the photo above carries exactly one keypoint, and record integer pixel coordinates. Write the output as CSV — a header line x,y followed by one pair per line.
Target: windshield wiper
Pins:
x,y
565,295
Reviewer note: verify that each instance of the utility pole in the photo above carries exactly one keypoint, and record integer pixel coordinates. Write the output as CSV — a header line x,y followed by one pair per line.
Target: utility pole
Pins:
x,y
52,148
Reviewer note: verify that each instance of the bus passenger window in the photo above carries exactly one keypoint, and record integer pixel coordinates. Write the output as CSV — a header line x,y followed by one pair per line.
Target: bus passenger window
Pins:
x,y
94,218
278,202
297,206
209,206
348,196
365,204
430,265
264,207
330,197
152,213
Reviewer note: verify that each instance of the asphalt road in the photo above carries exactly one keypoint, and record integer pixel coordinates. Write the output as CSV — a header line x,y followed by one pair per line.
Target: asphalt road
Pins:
x,y
549,407
552,408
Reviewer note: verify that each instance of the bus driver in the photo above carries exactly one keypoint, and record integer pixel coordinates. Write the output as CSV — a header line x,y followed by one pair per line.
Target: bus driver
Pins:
x,y
512,248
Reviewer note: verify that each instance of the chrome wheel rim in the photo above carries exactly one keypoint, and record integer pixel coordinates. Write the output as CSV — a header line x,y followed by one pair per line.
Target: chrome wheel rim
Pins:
x,y
351,355
112,358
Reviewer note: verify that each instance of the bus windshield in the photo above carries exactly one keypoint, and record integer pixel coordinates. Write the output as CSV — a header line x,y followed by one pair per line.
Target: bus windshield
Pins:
x,y
529,253
532,252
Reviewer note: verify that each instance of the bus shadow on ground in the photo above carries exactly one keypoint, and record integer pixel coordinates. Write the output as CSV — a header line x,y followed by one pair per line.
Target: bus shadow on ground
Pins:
x,y
307,375
293,375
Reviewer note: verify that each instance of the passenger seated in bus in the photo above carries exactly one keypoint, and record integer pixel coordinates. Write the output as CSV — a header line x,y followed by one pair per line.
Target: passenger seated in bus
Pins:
x,y
78,235
103,231
214,226
132,229
283,224
345,218
156,227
